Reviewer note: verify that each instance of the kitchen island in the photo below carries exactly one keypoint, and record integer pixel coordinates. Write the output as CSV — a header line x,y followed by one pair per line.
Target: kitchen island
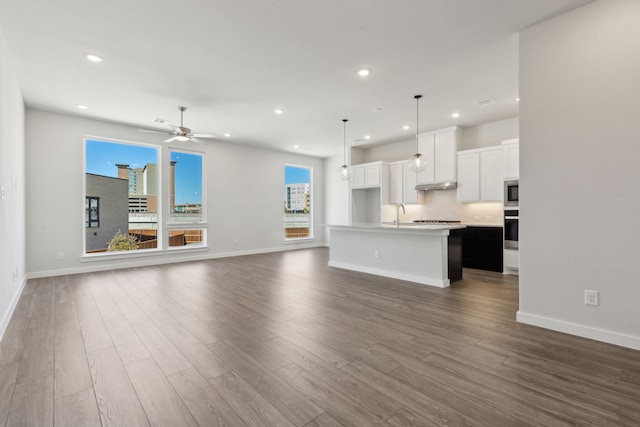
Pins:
x,y
426,254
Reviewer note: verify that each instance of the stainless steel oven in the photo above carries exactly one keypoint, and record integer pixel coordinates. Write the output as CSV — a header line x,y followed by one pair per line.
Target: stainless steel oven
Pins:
x,y
511,190
511,219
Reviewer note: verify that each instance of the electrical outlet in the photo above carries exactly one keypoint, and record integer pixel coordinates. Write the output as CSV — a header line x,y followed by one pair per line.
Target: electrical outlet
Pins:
x,y
591,297
3,194
60,256
376,254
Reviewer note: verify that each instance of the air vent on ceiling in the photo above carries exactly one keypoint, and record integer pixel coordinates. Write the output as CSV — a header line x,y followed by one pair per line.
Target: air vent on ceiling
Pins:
x,y
485,102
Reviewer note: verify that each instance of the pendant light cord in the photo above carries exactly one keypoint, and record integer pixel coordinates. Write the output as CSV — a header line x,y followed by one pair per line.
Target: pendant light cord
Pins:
x,y
344,141
417,97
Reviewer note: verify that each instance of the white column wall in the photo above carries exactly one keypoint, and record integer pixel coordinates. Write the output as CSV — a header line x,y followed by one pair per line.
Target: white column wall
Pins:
x,y
12,179
579,173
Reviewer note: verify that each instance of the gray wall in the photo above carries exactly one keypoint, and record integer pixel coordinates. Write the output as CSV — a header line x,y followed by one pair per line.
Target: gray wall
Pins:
x,y
12,178
244,193
579,174
113,209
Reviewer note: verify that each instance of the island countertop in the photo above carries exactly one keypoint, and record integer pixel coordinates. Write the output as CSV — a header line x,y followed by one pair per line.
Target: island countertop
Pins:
x,y
403,227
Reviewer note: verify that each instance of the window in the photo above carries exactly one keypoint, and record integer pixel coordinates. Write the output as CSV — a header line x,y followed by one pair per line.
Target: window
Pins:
x,y
92,212
186,207
297,202
121,184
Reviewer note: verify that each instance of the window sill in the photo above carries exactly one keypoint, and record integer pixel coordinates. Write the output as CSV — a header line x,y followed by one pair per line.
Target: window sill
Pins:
x,y
299,239
120,255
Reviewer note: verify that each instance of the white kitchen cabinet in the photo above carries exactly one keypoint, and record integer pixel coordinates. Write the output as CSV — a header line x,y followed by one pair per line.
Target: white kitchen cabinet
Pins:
x,y
439,150
468,177
480,175
370,191
511,149
367,175
402,184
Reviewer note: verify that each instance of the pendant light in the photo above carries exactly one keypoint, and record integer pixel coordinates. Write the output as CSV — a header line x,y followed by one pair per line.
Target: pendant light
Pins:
x,y
344,173
417,163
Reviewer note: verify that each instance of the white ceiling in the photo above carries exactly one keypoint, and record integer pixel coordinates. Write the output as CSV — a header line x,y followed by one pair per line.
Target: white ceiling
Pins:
x,y
232,62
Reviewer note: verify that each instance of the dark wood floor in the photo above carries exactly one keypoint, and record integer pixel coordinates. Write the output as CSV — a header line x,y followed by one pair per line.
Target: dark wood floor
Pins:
x,y
283,340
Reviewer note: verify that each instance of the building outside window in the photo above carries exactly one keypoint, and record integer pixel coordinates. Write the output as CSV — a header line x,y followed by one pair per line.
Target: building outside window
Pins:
x,y
92,212
297,202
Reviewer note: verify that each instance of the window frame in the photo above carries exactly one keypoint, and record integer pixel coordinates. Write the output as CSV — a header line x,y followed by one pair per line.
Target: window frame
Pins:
x,y
202,224
160,174
312,235
88,221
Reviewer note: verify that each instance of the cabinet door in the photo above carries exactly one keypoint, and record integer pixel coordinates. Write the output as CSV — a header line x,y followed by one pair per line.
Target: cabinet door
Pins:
x,y
468,177
357,177
491,181
445,156
395,183
426,146
409,180
512,161
372,176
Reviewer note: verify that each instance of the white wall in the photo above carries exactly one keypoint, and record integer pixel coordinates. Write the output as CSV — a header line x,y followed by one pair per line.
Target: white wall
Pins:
x,y
336,193
12,169
488,134
244,195
579,174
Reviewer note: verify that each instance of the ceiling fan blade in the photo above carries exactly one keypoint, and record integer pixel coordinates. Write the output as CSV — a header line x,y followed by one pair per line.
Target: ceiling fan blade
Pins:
x,y
154,131
173,138
205,135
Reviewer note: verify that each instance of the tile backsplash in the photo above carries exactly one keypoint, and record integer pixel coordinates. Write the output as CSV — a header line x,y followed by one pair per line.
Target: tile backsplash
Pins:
x,y
443,204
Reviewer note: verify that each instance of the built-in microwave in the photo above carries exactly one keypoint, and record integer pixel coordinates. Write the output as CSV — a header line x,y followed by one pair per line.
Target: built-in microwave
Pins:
x,y
511,197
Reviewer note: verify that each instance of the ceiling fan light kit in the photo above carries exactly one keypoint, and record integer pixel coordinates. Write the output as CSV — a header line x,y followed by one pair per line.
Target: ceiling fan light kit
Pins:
x,y
180,133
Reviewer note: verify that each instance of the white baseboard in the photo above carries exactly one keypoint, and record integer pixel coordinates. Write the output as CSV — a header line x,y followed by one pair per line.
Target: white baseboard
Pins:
x,y
11,308
597,334
393,274
147,261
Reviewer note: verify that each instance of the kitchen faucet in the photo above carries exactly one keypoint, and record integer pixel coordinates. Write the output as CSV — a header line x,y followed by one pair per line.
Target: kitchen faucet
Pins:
x,y
398,214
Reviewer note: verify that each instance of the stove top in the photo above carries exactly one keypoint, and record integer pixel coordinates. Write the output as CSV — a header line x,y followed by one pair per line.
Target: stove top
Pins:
x,y
436,221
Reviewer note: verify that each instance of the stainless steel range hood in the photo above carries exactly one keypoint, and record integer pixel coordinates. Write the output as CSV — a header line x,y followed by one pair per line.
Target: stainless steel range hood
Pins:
x,y
437,186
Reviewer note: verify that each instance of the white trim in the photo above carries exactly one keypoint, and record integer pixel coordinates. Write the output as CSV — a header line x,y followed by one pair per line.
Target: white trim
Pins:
x,y
12,306
191,256
392,274
590,332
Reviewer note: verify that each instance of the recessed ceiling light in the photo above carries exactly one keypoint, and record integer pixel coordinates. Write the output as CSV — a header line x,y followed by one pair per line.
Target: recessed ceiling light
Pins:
x,y
82,106
278,111
517,99
363,72
296,146
367,137
455,115
228,135
406,127
93,58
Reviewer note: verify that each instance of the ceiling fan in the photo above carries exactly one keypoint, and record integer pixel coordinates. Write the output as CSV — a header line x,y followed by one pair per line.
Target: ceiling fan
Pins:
x,y
180,133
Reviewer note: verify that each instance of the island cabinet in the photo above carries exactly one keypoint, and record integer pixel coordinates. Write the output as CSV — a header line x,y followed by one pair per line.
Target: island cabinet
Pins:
x,y
439,150
480,175
511,149
482,248
402,184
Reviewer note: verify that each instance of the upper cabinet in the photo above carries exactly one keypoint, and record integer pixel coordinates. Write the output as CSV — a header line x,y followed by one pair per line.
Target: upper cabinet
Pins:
x,y
439,150
511,148
402,184
480,176
367,175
